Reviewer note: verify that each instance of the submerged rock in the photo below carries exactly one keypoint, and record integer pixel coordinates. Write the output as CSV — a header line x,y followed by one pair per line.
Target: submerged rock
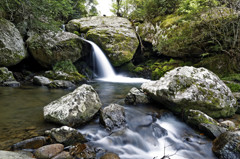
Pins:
x,y
61,84
32,143
113,116
110,156
185,88
12,50
74,108
136,96
49,151
50,48
226,146
66,135
114,35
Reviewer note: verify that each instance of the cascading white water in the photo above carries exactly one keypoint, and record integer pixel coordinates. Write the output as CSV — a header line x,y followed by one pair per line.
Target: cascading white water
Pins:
x,y
104,67
105,70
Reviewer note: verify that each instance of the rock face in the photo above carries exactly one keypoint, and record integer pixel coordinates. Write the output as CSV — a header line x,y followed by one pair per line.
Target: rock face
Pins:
x,y
50,48
226,146
12,49
136,96
74,108
187,88
114,35
66,135
113,116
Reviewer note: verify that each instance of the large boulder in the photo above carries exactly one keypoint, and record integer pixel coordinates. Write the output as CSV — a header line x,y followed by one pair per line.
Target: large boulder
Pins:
x,y
50,48
114,35
12,50
187,88
226,146
74,108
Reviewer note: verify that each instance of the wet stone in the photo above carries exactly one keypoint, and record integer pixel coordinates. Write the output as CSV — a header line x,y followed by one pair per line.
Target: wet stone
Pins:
x,y
63,155
110,156
32,143
49,151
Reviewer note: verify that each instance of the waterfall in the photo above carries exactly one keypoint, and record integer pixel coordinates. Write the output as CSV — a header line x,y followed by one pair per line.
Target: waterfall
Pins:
x,y
105,69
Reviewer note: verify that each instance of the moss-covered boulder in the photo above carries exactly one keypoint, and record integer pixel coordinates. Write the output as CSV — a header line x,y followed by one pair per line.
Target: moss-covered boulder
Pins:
x,y
221,64
12,49
114,35
185,88
50,48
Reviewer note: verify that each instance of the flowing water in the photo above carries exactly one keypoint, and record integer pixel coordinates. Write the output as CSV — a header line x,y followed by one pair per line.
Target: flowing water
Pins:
x,y
104,69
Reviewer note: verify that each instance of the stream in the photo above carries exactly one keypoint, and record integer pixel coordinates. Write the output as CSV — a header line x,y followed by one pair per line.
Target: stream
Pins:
x,y
21,117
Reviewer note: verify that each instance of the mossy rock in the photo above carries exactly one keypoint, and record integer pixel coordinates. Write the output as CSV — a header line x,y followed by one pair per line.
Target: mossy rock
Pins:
x,y
221,64
50,48
196,117
12,49
65,70
6,75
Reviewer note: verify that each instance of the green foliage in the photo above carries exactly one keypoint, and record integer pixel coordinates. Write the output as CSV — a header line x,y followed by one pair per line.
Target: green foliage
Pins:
x,y
194,6
144,10
41,15
65,66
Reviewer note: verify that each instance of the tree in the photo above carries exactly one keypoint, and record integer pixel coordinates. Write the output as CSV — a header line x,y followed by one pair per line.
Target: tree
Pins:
x,y
40,15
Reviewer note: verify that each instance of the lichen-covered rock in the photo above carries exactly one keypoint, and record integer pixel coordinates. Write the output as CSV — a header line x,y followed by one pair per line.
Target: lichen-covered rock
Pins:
x,y
12,50
41,80
113,116
226,146
66,135
187,88
50,48
49,151
136,96
114,35
74,108
6,75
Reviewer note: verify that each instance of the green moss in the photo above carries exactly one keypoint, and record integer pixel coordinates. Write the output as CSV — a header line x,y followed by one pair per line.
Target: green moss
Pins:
x,y
235,87
232,77
196,118
138,69
65,66
6,75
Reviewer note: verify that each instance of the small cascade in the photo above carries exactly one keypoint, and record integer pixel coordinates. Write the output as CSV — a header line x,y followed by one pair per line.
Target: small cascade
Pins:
x,y
105,70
